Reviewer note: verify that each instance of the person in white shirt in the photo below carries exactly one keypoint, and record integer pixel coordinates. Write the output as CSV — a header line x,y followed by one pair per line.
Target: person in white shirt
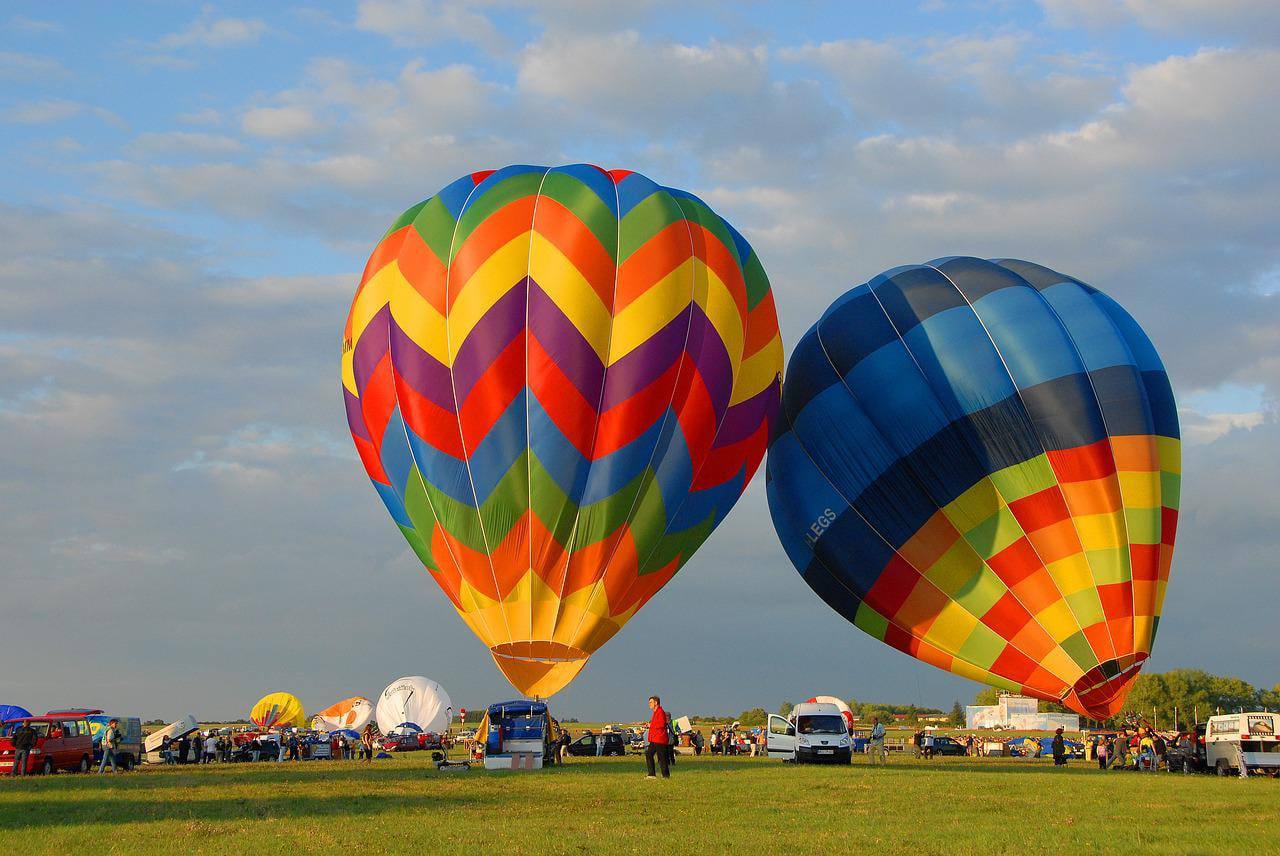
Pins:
x,y
210,748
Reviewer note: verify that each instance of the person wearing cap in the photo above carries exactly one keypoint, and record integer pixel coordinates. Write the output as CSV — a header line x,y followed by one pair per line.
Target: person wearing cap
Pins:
x,y
110,740
1059,749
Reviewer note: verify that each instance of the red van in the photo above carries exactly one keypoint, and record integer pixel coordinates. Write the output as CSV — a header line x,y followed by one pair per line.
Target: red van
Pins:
x,y
63,742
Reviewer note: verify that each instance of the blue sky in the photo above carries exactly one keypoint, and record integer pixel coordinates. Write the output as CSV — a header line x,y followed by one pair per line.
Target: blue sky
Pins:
x,y
193,190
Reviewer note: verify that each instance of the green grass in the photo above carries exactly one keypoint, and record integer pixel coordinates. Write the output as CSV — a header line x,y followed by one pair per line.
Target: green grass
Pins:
x,y
952,805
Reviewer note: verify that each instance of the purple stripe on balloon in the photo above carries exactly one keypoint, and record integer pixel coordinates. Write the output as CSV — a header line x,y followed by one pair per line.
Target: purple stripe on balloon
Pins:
x,y
371,347
567,347
711,358
423,373
647,362
491,335
745,417
355,416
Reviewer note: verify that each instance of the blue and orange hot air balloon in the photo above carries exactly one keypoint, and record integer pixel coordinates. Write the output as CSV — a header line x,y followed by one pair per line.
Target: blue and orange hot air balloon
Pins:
x,y
559,380
978,462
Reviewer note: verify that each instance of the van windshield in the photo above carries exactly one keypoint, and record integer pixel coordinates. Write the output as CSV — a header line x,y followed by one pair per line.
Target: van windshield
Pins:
x,y
825,723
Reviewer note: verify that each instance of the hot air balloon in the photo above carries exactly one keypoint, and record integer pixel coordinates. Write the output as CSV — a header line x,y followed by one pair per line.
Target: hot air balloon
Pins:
x,y
559,381
352,713
12,711
845,712
978,462
414,703
278,710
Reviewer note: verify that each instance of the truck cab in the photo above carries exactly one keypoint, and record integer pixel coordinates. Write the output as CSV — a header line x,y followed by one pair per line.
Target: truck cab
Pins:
x,y
1243,743
815,732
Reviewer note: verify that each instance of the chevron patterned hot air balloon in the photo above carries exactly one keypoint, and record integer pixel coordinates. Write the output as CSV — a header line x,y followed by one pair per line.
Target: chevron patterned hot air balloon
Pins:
x,y
978,463
559,380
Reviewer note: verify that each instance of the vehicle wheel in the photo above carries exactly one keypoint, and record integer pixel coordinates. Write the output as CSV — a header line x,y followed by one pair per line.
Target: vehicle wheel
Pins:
x,y
127,763
47,769
1223,768
84,764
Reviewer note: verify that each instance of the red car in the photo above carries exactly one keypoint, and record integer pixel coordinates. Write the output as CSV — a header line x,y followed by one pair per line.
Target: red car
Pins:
x,y
63,742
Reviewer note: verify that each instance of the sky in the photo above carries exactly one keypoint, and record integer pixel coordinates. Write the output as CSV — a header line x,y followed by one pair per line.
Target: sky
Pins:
x,y
191,192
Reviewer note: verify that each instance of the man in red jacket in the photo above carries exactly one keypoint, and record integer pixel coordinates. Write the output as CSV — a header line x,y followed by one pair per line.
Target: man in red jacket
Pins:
x,y
659,739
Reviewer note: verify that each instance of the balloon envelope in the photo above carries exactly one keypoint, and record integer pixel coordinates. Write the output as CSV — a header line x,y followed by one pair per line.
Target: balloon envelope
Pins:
x,y
840,703
12,711
559,380
353,713
414,703
978,463
278,710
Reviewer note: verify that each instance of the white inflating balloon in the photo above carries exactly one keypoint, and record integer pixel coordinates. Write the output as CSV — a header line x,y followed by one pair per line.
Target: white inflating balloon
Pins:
x,y
414,703
353,713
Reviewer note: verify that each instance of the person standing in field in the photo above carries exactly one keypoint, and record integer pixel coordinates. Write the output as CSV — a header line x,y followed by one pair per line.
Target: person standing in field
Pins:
x,y
1059,749
110,740
210,749
659,742
1187,748
876,746
366,743
24,740
1100,750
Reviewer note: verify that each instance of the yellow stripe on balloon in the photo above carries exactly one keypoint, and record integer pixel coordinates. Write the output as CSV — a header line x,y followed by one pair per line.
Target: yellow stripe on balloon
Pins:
x,y
721,310
419,320
653,310
758,371
499,273
556,274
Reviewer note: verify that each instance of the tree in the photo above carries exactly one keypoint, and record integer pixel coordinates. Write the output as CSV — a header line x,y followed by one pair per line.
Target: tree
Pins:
x,y
987,696
786,709
957,715
752,717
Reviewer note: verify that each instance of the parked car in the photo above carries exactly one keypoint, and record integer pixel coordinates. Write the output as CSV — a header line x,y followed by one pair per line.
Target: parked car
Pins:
x,y
401,741
1243,742
1192,760
63,742
129,750
815,732
943,745
586,744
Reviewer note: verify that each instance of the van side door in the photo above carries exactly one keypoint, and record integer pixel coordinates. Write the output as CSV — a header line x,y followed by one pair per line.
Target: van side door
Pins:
x,y
781,741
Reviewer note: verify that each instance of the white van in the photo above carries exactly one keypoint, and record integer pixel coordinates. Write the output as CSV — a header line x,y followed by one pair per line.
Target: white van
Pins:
x,y
1248,739
815,732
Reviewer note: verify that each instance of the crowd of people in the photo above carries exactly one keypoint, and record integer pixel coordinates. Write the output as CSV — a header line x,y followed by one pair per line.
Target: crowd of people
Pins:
x,y
1143,749
210,747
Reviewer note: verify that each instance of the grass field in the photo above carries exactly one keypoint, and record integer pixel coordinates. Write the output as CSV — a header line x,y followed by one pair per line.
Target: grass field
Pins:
x,y
952,805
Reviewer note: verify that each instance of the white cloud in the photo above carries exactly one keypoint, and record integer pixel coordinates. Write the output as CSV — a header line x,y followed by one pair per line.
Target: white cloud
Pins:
x,y
203,116
51,110
33,26
280,122
417,23
1250,20
43,112
210,32
24,66
183,143
625,74
991,86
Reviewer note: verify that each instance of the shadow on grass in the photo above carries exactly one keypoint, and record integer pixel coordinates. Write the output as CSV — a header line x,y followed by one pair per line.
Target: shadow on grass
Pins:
x,y
35,813
901,766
